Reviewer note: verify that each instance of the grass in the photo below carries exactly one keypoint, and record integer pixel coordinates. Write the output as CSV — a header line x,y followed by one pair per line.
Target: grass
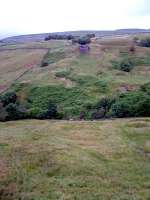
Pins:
x,y
53,57
14,63
75,160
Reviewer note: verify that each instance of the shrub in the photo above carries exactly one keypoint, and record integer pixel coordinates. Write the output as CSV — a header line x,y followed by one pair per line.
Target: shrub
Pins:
x,y
146,88
8,97
3,113
49,112
132,104
84,40
145,42
120,109
13,112
105,102
125,64
98,114
34,112
101,108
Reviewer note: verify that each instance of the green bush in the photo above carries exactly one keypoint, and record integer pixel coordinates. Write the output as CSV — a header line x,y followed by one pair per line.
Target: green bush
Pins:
x,y
145,42
43,113
146,88
34,112
8,97
132,104
84,40
125,64
13,112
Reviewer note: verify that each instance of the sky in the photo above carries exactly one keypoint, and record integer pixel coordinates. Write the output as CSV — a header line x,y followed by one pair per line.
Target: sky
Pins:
x,y
43,16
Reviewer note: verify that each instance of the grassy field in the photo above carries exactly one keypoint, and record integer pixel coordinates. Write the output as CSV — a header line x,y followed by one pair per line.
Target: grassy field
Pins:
x,y
75,160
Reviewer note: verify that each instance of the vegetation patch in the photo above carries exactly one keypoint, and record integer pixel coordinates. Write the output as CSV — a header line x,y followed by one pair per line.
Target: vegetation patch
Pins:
x,y
52,57
147,147
127,63
63,73
138,125
145,42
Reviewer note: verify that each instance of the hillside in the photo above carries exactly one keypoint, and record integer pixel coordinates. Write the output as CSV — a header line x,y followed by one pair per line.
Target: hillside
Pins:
x,y
75,82
40,37
51,160
75,156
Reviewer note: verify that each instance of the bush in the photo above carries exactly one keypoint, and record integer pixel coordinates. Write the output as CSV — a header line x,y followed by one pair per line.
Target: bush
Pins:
x,y
125,64
8,97
132,104
3,113
46,113
14,113
146,88
84,40
145,42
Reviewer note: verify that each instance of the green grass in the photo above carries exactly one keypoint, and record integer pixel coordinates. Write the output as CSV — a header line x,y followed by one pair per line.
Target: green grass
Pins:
x,y
52,57
50,160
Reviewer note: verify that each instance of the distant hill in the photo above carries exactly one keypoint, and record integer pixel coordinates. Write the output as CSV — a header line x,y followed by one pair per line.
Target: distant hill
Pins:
x,y
39,37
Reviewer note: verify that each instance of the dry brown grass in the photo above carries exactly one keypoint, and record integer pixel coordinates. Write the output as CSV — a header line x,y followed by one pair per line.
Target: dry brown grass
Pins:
x,y
14,63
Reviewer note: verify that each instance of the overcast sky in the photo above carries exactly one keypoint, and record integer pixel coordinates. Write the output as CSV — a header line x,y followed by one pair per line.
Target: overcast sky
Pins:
x,y
39,16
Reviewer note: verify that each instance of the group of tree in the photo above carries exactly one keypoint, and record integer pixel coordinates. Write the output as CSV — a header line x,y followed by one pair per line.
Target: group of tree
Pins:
x,y
84,39
75,39
144,42
59,37
128,104
12,109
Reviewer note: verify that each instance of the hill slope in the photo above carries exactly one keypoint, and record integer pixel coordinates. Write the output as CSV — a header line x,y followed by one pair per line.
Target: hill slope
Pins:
x,y
73,81
40,37
50,160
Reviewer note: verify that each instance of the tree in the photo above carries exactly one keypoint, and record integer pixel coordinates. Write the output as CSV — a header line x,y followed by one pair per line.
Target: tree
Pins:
x,y
145,42
84,40
12,111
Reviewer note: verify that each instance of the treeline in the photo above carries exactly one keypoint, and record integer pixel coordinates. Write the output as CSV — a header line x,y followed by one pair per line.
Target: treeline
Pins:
x,y
75,39
129,104
59,37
